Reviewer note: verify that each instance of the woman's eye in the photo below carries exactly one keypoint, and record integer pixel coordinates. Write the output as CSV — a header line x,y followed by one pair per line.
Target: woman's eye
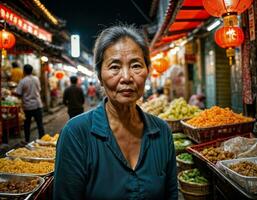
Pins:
x,y
114,67
136,66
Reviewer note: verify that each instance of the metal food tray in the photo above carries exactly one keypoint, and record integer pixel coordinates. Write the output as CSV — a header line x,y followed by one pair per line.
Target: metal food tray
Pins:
x,y
13,177
29,174
249,183
32,146
28,158
42,142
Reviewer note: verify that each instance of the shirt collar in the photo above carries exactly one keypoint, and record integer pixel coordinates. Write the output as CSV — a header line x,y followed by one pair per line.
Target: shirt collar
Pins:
x,y
100,123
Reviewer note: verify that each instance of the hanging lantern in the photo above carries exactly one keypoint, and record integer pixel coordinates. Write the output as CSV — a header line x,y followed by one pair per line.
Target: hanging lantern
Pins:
x,y
155,74
160,65
229,38
59,75
7,39
219,8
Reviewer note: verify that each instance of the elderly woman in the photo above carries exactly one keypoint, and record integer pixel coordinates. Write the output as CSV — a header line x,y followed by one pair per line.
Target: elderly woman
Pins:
x,y
116,151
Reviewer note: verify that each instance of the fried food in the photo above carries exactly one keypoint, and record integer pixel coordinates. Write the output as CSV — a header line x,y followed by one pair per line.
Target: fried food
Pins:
x,y
215,154
18,166
37,153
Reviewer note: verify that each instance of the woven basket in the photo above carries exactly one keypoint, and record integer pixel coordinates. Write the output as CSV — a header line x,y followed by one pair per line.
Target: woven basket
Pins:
x,y
198,189
201,135
175,125
193,196
182,165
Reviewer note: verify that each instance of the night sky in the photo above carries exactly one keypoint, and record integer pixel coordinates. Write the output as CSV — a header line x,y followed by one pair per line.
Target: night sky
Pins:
x,y
88,17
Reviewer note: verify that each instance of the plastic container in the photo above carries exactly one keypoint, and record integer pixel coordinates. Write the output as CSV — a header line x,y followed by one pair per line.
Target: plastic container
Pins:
x,y
249,183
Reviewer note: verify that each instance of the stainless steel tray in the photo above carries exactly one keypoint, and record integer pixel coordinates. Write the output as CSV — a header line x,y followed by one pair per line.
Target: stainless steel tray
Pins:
x,y
42,142
14,177
32,146
28,158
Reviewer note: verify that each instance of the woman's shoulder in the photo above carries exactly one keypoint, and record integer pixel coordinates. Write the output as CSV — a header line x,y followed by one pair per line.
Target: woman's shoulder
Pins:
x,y
80,122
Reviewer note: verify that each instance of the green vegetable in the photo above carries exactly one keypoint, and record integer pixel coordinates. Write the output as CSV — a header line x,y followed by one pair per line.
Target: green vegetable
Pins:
x,y
177,136
193,176
186,157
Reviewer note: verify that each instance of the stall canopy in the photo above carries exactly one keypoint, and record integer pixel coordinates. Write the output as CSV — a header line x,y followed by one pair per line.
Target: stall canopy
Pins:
x,y
187,16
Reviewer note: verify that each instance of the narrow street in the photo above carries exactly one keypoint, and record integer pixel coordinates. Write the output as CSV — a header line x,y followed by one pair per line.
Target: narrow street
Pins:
x,y
53,123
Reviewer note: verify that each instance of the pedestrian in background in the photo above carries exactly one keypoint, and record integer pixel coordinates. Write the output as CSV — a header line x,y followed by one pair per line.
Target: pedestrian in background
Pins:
x,y
73,98
91,93
16,73
29,90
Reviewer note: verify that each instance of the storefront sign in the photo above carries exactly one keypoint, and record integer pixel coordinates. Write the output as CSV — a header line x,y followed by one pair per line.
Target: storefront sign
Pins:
x,y
12,18
251,23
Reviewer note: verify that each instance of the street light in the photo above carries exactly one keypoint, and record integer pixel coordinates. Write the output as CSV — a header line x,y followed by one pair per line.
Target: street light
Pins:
x,y
75,46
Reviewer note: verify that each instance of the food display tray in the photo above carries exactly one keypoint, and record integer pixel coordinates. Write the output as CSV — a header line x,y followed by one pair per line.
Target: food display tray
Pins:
x,y
200,135
197,148
249,183
44,143
32,146
28,158
13,177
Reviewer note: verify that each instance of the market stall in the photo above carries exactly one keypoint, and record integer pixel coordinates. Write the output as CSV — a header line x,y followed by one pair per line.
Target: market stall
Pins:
x,y
26,170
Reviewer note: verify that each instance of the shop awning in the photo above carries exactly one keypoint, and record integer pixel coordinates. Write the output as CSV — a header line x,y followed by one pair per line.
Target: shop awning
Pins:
x,y
188,15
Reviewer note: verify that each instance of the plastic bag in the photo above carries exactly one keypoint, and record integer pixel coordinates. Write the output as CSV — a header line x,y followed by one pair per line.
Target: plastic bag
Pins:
x,y
242,147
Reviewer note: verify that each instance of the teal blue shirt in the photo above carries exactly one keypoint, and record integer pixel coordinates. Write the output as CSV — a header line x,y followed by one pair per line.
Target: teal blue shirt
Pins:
x,y
90,165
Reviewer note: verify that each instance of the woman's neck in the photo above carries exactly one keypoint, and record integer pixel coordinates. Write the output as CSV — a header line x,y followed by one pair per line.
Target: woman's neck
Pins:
x,y
123,113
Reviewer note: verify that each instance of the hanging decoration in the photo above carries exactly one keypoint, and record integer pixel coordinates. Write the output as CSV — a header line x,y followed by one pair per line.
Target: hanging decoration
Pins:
x,y
7,39
229,37
59,74
155,74
220,8
160,65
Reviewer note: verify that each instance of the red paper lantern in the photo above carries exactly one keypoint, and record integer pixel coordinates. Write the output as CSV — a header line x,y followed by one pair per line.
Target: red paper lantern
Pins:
x,y
7,39
160,65
59,74
155,74
227,37
218,8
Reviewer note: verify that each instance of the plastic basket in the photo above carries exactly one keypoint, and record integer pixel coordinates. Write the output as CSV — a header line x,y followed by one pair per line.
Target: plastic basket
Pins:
x,y
249,183
200,135
196,149
198,189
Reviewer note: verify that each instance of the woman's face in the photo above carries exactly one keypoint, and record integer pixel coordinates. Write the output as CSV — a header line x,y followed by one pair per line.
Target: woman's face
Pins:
x,y
124,72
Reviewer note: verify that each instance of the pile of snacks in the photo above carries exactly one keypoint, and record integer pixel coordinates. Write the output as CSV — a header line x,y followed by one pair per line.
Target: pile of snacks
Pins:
x,y
245,168
18,186
217,116
38,153
23,167
215,154
155,106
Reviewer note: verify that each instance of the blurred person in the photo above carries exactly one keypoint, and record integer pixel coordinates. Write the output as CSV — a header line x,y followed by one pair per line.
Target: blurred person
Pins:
x,y
117,151
73,98
91,93
158,93
29,90
197,100
16,73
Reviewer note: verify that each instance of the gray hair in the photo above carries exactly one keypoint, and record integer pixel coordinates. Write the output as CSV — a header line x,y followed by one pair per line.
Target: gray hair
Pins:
x,y
112,35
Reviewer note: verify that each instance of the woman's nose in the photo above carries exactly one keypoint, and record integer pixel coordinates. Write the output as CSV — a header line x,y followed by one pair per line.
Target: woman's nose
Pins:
x,y
126,74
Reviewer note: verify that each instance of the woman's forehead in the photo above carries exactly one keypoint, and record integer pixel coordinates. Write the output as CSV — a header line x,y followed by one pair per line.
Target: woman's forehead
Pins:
x,y
123,47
